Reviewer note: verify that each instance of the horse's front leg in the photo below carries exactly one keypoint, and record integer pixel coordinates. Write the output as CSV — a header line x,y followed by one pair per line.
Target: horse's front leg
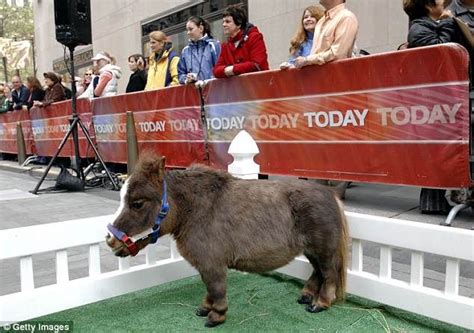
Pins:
x,y
215,303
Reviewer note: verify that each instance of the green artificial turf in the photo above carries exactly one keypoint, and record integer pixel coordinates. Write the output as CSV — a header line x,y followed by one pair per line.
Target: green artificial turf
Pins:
x,y
257,303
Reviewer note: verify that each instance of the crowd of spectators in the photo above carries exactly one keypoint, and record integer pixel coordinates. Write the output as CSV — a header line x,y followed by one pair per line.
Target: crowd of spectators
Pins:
x,y
326,32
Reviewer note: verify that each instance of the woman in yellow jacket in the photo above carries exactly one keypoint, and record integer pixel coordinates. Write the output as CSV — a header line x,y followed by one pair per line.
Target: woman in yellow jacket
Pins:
x,y
163,62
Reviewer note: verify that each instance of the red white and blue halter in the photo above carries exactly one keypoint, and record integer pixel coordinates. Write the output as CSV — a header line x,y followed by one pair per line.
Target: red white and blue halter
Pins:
x,y
154,235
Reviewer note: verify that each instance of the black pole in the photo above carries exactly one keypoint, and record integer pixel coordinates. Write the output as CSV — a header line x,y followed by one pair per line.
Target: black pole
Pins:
x,y
204,124
75,136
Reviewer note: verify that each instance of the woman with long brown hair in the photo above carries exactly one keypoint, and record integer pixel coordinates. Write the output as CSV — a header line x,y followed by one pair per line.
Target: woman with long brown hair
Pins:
x,y
36,90
302,41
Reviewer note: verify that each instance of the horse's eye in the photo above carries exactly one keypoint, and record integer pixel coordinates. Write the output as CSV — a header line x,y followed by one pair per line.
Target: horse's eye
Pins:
x,y
137,204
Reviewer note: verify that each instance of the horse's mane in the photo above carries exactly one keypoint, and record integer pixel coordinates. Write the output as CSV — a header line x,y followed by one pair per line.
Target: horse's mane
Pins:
x,y
200,168
205,177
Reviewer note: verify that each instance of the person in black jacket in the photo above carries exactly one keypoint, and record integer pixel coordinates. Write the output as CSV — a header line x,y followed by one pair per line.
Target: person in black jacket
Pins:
x,y
36,91
20,93
464,10
137,81
431,23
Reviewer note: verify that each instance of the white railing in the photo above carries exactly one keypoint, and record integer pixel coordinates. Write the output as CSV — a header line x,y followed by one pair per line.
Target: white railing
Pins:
x,y
447,305
31,302
453,244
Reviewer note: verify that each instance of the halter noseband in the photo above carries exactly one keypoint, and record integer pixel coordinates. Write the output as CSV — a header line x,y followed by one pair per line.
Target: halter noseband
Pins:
x,y
154,235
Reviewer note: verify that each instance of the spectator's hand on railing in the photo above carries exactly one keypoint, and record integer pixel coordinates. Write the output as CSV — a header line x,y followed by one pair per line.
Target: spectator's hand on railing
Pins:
x,y
286,65
200,83
190,78
38,103
229,71
300,62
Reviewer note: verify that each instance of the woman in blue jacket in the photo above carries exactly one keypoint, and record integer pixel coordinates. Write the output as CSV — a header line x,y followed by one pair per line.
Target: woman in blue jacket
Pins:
x,y
302,42
200,55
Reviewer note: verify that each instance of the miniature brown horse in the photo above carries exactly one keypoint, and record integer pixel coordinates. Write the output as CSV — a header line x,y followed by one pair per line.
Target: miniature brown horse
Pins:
x,y
222,222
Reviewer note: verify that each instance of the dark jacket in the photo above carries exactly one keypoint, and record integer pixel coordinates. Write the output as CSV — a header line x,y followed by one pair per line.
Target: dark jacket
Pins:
x,y
5,104
54,94
67,92
425,31
20,98
246,52
137,81
462,13
35,95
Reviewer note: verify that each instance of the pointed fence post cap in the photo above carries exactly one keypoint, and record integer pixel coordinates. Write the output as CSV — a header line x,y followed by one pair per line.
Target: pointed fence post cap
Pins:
x,y
243,143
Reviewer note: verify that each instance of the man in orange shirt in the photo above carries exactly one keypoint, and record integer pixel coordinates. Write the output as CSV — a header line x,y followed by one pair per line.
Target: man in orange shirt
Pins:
x,y
334,35
334,39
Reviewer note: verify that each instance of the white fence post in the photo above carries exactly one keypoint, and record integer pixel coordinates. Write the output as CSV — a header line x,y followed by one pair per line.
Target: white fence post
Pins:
x,y
243,148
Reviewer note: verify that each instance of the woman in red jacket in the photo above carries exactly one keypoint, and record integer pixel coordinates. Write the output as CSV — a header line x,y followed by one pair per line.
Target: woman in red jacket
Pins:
x,y
245,50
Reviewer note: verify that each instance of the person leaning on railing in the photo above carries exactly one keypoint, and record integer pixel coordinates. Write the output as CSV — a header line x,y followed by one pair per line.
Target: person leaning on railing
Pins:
x,y
302,42
4,103
334,35
105,84
8,102
36,90
137,80
245,49
83,84
199,57
54,91
162,63
430,24
20,93
334,39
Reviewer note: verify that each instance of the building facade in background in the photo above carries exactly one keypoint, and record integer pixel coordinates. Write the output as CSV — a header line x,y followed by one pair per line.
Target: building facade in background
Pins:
x,y
121,27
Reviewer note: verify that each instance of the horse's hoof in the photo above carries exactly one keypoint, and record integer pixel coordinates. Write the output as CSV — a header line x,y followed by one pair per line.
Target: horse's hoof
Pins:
x,y
305,299
211,324
314,308
201,312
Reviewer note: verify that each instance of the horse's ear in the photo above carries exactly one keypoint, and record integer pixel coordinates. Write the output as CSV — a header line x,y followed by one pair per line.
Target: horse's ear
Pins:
x,y
152,166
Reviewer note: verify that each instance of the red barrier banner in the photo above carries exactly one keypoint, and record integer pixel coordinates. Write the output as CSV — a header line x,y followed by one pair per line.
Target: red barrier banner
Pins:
x,y
8,123
166,120
396,118
50,125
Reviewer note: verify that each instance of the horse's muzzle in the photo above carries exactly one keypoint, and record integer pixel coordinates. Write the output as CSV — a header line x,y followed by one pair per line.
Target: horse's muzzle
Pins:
x,y
117,246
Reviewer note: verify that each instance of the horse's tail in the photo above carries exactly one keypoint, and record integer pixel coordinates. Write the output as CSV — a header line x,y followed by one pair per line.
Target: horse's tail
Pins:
x,y
342,252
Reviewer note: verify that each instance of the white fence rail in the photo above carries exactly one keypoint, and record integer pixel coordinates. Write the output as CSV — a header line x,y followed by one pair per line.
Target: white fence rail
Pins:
x,y
419,238
31,302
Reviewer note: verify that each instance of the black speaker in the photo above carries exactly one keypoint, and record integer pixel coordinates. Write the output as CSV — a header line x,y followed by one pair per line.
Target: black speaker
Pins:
x,y
73,22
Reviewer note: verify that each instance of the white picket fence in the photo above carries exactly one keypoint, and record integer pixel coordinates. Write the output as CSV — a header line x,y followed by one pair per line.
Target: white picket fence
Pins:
x,y
447,305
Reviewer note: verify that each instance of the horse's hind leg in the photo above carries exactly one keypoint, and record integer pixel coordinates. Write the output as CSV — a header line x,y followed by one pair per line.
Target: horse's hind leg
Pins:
x,y
313,284
215,302
327,292
205,307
